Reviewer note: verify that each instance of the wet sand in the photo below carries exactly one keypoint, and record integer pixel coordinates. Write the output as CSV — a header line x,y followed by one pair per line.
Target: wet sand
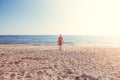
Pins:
x,y
22,62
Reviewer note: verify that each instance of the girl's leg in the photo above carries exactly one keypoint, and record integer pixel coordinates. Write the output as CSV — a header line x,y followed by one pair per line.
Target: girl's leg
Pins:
x,y
60,47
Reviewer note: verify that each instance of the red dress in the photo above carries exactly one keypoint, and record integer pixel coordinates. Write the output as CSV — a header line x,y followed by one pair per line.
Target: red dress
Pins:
x,y
60,40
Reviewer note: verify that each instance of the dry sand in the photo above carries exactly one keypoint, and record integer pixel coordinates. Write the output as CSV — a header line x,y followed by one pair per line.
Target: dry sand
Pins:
x,y
22,62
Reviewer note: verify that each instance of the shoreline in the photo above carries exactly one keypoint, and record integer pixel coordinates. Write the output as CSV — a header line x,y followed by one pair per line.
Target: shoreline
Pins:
x,y
30,45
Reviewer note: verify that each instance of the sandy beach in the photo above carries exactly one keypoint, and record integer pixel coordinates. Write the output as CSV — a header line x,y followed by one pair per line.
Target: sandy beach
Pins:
x,y
23,62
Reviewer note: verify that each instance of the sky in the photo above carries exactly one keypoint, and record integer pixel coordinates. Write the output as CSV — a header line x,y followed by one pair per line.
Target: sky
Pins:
x,y
53,17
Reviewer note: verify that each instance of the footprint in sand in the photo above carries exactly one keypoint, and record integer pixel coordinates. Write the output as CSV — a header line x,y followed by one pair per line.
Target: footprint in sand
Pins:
x,y
39,73
1,72
21,73
87,77
77,78
12,75
28,75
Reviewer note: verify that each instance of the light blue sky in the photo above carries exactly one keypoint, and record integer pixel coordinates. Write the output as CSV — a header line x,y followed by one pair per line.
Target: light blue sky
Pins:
x,y
72,17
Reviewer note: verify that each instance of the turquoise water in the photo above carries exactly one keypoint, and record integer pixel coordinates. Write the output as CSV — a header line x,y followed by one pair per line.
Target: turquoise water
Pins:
x,y
52,40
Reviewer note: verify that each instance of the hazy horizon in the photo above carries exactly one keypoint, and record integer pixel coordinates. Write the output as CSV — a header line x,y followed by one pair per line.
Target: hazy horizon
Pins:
x,y
54,17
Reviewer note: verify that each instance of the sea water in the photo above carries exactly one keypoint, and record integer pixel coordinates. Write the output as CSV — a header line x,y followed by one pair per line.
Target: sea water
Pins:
x,y
67,39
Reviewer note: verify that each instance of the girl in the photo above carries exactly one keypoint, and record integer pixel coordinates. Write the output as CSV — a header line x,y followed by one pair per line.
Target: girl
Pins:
x,y
60,42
